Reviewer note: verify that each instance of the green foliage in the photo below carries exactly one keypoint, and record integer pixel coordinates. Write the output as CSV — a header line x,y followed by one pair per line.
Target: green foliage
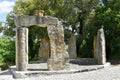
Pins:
x,y
9,28
85,8
80,15
62,9
7,50
36,33
68,11
109,16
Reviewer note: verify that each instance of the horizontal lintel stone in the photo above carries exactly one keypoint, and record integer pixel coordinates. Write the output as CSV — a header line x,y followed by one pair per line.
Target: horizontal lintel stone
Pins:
x,y
42,21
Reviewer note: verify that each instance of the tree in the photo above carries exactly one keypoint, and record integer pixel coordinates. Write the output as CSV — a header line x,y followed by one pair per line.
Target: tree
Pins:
x,y
9,27
85,8
71,12
109,16
7,50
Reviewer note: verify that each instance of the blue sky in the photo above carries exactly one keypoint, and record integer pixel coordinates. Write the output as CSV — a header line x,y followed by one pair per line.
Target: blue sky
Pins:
x,y
5,8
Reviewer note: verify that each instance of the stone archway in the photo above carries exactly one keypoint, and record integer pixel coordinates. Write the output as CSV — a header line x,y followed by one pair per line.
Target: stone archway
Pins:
x,y
59,58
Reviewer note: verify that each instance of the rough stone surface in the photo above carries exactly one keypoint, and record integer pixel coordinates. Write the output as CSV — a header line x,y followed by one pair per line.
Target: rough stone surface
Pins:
x,y
41,21
72,47
59,58
95,46
101,53
44,49
17,74
21,48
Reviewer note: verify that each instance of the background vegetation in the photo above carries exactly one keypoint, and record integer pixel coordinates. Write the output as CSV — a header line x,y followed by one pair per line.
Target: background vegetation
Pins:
x,y
7,52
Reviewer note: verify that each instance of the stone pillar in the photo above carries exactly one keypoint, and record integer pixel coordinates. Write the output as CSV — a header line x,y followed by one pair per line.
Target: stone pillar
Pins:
x,y
95,46
59,59
44,49
101,52
72,47
60,47
21,48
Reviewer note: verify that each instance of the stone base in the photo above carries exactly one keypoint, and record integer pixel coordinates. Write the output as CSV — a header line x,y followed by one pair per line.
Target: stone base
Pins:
x,y
59,62
56,65
25,74
19,74
35,70
84,61
107,64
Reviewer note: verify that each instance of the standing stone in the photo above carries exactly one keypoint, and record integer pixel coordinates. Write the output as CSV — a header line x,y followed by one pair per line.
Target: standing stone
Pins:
x,y
95,46
72,47
59,58
44,49
21,48
101,53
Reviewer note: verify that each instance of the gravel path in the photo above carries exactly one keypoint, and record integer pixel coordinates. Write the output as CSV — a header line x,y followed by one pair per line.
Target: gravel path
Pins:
x,y
109,73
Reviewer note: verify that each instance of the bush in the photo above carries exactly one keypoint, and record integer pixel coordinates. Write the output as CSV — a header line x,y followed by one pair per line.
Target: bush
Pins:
x,y
7,50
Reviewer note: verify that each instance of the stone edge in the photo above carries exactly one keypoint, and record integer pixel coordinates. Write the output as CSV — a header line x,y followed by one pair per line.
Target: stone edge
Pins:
x,y
26,74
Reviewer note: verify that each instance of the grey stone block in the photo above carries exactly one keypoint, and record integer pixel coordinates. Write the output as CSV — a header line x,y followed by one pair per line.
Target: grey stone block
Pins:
x,y
21,48
72,47
50,20
101,52
18,75
42,21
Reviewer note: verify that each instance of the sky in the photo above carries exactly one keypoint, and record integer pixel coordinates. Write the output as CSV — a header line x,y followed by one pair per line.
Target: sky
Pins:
x,y
5,7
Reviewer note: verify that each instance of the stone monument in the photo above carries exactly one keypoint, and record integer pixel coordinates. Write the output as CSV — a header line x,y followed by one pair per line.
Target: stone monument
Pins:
x,y
100,50
44,49
59,58
72,47
95,46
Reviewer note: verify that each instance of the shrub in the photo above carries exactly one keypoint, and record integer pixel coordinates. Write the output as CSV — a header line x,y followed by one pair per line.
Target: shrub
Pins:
x,y
7,50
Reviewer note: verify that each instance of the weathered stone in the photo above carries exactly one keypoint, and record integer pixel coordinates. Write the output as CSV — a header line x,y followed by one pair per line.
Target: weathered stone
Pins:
x,y
72,47
39,20
44,49
25,20
21,48
59,58
66,60
101,53
49,20
42,21
95,46
18,75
